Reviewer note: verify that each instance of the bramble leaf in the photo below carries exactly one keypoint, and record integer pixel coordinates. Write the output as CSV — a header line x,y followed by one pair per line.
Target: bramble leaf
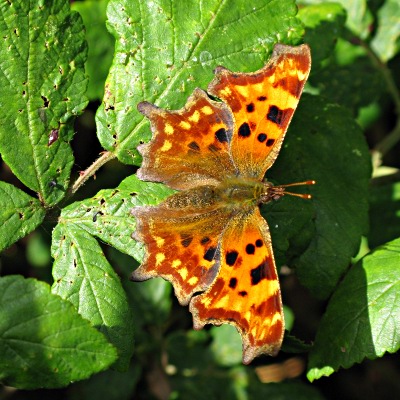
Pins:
x,y
363,318
43,340
42,85
20,214
164,50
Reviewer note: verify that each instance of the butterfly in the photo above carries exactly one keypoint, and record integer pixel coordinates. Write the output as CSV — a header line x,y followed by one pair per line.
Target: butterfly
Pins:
x,y
209,238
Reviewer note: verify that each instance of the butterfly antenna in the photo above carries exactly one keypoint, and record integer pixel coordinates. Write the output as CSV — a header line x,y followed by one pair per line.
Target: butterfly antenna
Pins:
x,y
302,195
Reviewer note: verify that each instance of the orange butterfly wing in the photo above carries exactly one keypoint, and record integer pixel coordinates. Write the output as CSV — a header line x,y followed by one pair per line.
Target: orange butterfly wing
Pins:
x,y
246,291
190,147
263,104
200,239
182,241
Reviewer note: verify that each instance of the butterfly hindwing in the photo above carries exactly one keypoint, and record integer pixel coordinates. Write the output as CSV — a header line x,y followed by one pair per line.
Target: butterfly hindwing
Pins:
x,y
246,291
182,240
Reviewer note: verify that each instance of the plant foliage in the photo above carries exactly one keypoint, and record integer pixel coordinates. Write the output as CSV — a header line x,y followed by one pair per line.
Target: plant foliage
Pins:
x,y
81,317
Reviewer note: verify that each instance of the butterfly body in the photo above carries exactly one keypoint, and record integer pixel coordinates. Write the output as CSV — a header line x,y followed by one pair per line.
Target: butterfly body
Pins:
x,y
209,239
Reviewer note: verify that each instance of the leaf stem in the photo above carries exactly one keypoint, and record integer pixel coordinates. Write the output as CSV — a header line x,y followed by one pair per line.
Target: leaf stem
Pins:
x,y
90,171
393,137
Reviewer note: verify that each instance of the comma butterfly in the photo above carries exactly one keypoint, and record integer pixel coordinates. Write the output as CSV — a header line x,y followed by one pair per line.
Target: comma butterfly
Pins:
x,y
209,239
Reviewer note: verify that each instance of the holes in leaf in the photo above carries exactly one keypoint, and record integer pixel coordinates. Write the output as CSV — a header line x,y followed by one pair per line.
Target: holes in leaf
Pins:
x,y
45,101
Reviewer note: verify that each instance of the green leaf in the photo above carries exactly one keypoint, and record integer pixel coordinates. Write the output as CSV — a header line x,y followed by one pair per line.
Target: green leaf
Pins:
x,y
384,213
81,272
193,373
188,351
292,344
42,82
101,44
363,318
324,24
107,215
347,87
83,276
226,346
164,50
152,302
325,144
359,17
19,215
43,341
386,42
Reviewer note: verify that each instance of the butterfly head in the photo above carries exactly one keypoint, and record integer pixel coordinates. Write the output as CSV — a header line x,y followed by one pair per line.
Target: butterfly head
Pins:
x,y
271,192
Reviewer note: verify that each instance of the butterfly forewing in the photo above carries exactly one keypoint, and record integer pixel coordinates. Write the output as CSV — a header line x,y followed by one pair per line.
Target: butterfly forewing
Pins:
x,y
190,147
263,104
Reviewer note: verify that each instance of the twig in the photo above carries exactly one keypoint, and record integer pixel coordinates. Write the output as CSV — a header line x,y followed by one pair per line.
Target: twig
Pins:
x,y
393,137
90,171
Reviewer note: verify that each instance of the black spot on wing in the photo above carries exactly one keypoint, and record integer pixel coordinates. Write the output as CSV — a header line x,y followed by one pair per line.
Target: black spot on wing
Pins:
x,y
233,283
275,115
231,257
221,135
250,248
250,107
205,240
213,148
210,253
194,146
186,239
270,142
263,271
244,130
262,137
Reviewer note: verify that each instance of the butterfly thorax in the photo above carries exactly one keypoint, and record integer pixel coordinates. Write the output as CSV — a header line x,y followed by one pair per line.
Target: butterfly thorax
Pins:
x,y
233,191
244,191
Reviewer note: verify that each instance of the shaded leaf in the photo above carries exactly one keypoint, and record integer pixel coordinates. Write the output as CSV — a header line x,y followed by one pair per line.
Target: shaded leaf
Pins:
x,y
100,42
110,385
42,83
359,16
43,341
363,318
19,215
384,213
347,87
164,50
386,41
195,376
325,144
324,24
